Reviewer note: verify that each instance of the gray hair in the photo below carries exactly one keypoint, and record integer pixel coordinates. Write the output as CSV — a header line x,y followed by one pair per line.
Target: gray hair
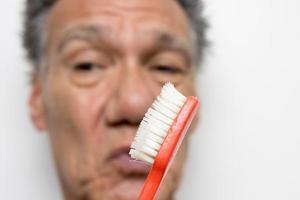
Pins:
x,y
36,12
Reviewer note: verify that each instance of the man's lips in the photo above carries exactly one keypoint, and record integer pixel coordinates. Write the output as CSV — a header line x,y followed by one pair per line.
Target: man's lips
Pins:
x,y
121,160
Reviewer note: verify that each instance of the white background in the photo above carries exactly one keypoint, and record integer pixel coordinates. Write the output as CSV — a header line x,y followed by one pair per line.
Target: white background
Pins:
x,y
248,143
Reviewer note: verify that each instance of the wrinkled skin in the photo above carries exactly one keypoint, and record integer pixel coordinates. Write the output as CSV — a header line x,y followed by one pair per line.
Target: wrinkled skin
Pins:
x,y
105,63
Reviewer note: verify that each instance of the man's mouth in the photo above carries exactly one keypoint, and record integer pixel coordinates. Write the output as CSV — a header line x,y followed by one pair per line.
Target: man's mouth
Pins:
x,y
121,160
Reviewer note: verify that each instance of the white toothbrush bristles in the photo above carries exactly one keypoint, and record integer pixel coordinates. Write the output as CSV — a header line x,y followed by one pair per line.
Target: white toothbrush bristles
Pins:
x,y
155,125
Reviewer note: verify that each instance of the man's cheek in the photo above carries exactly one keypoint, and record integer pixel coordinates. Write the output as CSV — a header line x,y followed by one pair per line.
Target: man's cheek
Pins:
x,y
187,86
60,112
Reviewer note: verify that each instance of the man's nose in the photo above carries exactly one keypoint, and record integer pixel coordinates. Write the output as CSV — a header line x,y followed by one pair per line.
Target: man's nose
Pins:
x,y
131,98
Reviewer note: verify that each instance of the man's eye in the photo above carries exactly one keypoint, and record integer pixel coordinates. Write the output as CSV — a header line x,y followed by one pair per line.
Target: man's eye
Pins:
x,y
167,72
167,69
86,67
86,73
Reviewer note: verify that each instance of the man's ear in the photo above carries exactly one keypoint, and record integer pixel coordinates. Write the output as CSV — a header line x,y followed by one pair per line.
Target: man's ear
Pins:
x,y
36,104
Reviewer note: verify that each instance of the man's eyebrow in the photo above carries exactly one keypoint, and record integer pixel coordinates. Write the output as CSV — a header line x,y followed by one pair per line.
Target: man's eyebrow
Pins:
x,y
87,33
162,40
167,41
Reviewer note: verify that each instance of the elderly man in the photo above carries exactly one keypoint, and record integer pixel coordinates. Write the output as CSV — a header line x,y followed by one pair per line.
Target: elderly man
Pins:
x,y
97,67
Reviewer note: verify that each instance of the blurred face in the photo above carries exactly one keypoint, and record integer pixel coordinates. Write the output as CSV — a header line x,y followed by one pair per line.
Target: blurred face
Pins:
x,y
105,64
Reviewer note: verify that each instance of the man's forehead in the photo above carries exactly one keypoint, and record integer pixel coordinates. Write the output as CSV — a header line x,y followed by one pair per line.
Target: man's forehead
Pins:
x,y
127,4
120,10
90,19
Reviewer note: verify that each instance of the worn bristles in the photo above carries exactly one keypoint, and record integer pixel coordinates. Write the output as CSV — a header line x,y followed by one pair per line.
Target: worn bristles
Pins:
x,y
156,123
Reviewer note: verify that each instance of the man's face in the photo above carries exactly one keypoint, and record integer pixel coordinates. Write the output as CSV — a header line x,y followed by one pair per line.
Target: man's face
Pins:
x,y
105,64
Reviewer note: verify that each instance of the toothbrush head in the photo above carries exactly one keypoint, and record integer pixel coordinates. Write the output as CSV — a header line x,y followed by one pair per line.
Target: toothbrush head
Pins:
x,y
155,125
160,134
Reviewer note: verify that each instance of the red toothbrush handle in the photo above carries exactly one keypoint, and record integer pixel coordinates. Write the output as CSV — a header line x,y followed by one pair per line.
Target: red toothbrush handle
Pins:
x,y
169,148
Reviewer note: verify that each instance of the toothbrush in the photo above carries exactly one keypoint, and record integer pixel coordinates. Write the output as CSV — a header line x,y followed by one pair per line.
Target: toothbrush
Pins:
x,y
160,134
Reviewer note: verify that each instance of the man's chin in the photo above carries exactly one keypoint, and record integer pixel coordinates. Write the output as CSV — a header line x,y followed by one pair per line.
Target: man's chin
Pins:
x,y
127,189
